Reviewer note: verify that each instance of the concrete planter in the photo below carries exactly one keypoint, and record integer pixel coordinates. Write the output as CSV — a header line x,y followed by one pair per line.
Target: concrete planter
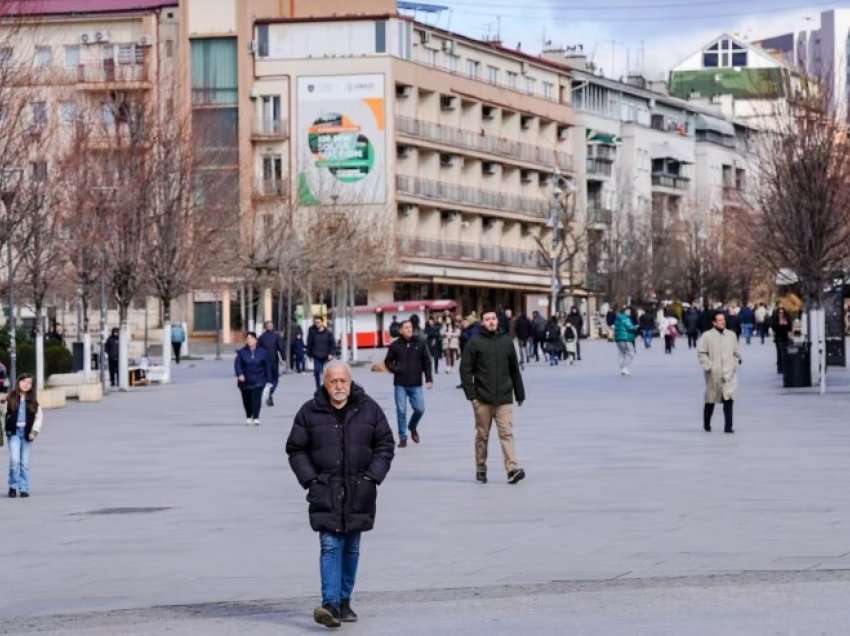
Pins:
x,y
51,398
90,392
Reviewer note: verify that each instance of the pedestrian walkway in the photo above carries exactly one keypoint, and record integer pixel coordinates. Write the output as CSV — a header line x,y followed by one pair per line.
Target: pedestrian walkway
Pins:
x,y
162,496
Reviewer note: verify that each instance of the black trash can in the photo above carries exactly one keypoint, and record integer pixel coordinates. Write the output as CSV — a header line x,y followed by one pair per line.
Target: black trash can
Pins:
x,y
797,365
79,358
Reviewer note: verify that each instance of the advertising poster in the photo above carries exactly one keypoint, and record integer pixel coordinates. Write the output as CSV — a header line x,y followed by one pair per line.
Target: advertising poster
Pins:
x,y
341,149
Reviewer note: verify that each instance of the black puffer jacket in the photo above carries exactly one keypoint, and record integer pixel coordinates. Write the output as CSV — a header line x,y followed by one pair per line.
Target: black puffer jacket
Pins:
x,y
331,459
489,369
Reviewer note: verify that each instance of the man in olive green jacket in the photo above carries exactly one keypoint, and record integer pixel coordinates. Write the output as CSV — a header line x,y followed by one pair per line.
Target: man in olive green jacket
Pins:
x,y
491,378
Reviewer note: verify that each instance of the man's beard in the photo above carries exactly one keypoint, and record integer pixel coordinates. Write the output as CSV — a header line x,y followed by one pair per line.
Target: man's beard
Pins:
x,y
339,396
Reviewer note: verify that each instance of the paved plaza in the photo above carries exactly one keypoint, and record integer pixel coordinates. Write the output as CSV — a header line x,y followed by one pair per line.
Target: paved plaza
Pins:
x,y
159,511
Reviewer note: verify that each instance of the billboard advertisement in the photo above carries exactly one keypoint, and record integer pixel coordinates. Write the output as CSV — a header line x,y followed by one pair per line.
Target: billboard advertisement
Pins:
x,y
341,144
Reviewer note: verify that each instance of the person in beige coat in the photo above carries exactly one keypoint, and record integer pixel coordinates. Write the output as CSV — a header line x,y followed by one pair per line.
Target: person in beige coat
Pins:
x,y
719,357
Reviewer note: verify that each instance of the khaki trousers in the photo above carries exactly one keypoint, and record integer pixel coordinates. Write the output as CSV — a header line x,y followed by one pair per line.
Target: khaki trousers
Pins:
x,y
484,416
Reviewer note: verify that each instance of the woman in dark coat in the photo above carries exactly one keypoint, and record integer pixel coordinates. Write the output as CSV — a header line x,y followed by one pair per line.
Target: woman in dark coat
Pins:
x,y
434,340
253,372
781,325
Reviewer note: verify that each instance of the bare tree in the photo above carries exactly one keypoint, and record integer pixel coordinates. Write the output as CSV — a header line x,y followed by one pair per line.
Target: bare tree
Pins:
x,y
802,207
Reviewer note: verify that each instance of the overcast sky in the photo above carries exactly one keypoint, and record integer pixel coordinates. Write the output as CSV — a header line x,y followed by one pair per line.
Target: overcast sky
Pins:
x,y
613,31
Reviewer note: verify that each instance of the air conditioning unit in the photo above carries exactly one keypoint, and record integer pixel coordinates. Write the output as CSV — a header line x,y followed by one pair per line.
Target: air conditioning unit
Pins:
x,y
526,176
424,37
447,102
447,160
448,46
403,90
86,38
488,112
402,152
143,41
489,167
253,47
101,36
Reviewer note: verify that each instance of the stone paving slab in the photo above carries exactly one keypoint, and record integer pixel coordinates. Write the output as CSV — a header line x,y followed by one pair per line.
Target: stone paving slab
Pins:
x,y
162,496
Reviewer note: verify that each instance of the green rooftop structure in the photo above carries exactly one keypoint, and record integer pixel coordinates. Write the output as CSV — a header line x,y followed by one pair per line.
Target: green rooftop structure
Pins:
x,y
740,83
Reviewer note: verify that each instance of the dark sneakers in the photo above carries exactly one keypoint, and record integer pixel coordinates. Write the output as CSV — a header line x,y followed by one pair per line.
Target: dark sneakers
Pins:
x,y
482,477
516,475
346,614
270,401
25,494
414,435
13,493
327,615
402,443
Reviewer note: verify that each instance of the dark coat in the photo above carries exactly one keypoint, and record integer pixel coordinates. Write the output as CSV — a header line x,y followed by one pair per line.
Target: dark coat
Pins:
x,y
271,342
255,367
523,328
468,333
298,348
112,347
331,459
320,344
575,319
434,338
489,370
408,360
553,337
692,320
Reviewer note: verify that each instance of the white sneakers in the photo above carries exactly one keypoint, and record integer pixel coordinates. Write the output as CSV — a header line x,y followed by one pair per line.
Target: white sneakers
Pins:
x,y
248,422
625,372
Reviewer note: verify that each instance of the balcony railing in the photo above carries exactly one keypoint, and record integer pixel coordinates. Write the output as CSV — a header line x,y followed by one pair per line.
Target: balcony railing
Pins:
x,y
271,189
470,140
599,167
599,215
270,128
452,250
84,74
602,153
475,197
675,182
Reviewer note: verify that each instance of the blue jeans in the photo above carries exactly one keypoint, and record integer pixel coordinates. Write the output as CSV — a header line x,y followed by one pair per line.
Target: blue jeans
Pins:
x,y
318,370
338,565
19,461
647,338
417,401
748,331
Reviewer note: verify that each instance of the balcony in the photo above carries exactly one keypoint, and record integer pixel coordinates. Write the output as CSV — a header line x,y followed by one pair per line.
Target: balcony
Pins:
x,y
413,246
120,76
267,128
602,153
474,197
271,189
599,167
599,215
671,181
500,146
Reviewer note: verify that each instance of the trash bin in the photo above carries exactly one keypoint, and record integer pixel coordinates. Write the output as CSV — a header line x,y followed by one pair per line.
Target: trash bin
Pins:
x,y
79,358
797,365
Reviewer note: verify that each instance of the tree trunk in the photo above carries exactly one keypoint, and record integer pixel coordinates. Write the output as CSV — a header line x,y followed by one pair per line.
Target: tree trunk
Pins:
x,y
166,340
39,346
123,351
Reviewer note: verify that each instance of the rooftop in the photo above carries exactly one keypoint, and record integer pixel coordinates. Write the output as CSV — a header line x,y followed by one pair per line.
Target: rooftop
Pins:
x,y
80,7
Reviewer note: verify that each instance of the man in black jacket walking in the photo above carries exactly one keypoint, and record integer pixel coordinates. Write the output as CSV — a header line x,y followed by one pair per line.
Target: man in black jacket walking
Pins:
x,y
408,360
340,449
489,372
320,347
270,340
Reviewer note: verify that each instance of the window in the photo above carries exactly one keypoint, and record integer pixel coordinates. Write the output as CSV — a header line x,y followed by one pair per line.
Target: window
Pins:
x,y
381,36
492,74
39,170
739,59
72,55
39,113
126,54
43,56
214,73
452,63
530,83
709,60
68,112
725,54
472,68
512,80
429,57
548,90
169,48
6,56
107,113
263,40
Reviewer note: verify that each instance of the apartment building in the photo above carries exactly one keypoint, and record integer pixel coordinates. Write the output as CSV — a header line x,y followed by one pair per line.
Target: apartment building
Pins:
x,y
662,162
84,57
456,140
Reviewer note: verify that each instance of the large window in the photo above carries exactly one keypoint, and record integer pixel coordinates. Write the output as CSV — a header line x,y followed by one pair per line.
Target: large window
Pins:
x,y
72,55
214,72
472,67
725,53
43,56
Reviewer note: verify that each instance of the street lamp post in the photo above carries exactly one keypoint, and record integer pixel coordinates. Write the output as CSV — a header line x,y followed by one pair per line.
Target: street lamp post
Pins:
x,y
556,225
218,326
103,308
8,200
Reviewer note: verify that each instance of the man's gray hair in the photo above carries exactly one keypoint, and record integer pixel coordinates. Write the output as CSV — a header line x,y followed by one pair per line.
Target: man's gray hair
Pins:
x,y
335,364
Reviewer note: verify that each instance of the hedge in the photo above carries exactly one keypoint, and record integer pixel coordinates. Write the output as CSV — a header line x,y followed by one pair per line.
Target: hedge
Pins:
x,y
57,359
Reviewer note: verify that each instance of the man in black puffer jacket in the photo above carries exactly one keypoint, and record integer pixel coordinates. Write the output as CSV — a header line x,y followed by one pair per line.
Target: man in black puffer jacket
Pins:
x,y
340,449
490,375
